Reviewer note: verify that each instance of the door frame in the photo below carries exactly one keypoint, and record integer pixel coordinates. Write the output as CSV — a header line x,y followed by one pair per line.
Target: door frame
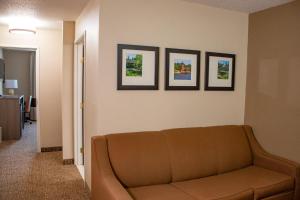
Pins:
x,y
80,41
37,86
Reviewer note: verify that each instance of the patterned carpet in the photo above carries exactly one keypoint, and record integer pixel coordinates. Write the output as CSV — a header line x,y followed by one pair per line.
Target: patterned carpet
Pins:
x,y
27,175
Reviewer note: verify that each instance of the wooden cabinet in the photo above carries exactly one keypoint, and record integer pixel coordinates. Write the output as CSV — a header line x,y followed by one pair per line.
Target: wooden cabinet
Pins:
x,y
11,117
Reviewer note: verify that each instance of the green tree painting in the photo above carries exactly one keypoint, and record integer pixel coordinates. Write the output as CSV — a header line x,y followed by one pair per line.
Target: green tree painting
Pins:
x,y
134,65
223,69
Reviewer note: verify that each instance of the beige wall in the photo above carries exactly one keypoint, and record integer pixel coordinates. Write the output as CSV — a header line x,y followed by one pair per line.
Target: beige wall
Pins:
x,y
67,89
273,94
49,43
17,67
171,23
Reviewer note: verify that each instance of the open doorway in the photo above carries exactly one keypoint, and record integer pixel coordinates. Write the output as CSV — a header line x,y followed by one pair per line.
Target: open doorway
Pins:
x,y
79,97
21,82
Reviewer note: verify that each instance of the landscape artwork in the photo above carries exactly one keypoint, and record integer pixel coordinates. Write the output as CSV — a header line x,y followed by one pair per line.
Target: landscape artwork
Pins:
x,y
223,69
137,67
134,65
182,69
219,71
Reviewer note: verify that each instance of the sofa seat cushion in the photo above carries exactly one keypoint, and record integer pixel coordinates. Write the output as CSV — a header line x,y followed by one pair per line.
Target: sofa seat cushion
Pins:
x,y
263,182
158,192
201,152
281,196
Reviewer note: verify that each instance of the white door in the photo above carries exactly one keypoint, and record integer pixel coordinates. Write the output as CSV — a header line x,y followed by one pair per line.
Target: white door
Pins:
x,y
79,105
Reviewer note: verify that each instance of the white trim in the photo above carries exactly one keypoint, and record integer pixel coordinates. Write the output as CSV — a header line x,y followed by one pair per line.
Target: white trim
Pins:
x,y
80,168
37,73
37,88
74,104
80,41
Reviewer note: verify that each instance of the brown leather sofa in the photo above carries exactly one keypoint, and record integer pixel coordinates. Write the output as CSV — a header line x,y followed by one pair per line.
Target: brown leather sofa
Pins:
x,y
212,163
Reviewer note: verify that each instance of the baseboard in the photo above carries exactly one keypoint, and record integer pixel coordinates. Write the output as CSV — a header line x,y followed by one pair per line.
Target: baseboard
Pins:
x,y
68,161
51,149
88,189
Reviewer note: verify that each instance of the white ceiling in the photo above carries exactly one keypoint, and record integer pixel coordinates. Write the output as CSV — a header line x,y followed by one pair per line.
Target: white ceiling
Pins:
x,y
48,12
248,6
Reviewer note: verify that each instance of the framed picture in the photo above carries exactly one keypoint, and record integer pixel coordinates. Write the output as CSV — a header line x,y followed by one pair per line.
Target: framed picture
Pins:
x,y
138,67
182,69
220,71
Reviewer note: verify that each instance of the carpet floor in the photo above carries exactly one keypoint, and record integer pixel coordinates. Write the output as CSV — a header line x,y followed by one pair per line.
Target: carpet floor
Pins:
x,y
27,175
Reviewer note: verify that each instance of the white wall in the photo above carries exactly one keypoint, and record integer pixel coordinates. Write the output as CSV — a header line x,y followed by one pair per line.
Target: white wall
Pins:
x,y
89,21
168,23
49,43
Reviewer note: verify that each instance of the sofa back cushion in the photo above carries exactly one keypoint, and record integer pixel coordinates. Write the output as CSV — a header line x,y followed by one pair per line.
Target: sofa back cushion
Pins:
x,y
201,152
233,148
192,153
139,159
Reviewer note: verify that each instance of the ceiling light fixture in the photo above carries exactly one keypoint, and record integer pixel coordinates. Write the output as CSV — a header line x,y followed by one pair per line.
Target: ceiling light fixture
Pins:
x,y
22,25
21,30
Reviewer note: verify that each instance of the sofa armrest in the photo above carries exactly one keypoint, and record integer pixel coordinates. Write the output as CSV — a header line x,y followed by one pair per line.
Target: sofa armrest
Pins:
x,y
266,160
105,186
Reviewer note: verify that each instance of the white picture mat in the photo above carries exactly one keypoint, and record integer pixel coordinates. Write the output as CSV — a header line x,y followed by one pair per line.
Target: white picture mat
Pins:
x,y
213,80
148,69
176,56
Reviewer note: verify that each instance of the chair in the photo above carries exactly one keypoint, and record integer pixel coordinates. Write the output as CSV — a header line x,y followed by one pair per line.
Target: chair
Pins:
x,y
28,100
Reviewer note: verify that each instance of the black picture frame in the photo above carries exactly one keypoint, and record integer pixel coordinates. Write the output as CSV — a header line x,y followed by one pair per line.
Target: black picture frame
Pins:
x,y
120,85
207,70
167,69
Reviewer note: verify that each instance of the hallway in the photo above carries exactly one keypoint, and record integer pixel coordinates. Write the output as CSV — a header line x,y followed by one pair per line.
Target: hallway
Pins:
x,y
27,175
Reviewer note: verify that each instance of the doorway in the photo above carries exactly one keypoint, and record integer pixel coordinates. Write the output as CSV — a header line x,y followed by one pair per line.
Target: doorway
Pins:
x,y
21,66
79,99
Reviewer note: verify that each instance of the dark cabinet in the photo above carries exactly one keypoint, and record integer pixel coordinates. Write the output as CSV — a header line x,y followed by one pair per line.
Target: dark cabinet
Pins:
x,y
11,117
